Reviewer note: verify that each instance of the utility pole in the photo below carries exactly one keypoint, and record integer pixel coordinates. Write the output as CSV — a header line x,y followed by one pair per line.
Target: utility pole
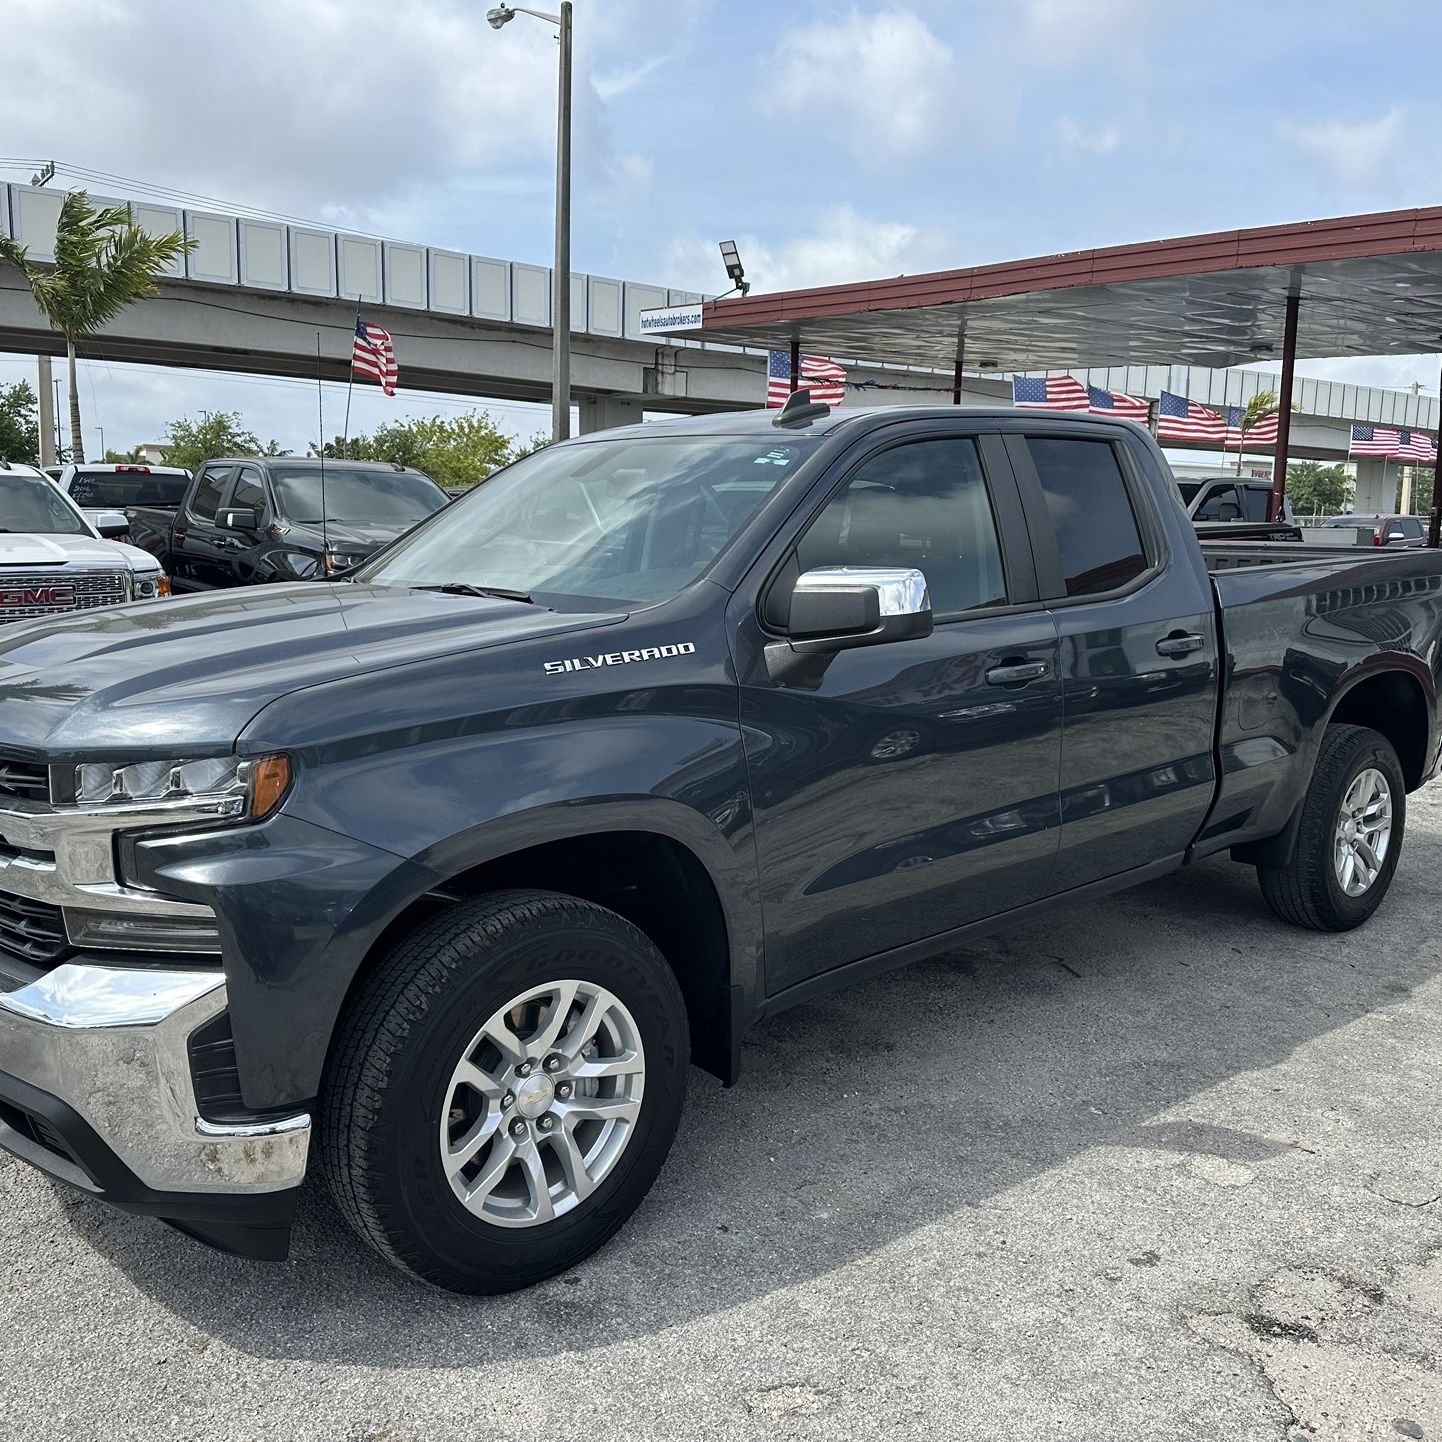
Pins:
x,y
42,364
46,393
561,334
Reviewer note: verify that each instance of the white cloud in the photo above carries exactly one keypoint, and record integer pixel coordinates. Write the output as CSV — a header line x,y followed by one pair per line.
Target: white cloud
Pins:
x,y
347,106
845,246
1062,32
886,79
1354,153
1095,139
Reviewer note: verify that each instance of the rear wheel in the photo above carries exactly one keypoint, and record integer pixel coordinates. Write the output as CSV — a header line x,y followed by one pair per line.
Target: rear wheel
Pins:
x,y
505,1087
1349,838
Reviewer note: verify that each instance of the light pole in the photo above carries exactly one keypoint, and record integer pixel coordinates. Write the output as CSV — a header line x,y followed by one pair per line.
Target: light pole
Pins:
x,y
561,271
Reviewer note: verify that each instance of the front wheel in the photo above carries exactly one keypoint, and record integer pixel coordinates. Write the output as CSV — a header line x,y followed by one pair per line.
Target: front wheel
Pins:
x,y
1350,835
505,1088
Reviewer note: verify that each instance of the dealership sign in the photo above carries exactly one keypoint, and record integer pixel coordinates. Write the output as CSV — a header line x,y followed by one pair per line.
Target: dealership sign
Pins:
x,y
671,318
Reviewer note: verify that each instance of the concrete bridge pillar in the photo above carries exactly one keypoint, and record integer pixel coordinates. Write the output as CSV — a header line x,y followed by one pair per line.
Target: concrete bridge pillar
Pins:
x,y
1376,493
601,413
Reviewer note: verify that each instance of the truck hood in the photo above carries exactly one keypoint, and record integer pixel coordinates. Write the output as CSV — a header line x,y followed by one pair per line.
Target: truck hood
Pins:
x,y
183,677
91,551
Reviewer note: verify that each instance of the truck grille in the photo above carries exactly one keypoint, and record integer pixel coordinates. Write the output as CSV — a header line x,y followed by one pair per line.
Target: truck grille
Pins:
x,y
25,595
32,930
24,780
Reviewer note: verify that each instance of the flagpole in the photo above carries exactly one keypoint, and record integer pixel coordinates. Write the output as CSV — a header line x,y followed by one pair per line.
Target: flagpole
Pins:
x,y
349,386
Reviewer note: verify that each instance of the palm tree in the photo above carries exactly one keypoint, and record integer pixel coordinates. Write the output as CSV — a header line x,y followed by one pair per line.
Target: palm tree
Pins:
x,y
1260,406
102,263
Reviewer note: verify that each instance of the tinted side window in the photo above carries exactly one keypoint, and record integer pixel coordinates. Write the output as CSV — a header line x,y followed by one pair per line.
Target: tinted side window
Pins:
x,y
249,490
1091,512
1411,527
1254,501
207,491
922,504
1222,504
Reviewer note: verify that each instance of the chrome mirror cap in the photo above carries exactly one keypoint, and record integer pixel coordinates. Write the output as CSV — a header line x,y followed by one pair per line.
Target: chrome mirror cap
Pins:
x,y
900,590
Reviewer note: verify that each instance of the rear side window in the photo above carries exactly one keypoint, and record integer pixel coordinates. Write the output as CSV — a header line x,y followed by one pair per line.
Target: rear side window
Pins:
x,y
1091,513
207,491
1255,500
1410,527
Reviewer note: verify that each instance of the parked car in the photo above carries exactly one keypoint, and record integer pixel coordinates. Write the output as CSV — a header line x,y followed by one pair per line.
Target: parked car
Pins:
x,y
1394,531
53,472
54,561
105,492
1229,498
436,877
248,520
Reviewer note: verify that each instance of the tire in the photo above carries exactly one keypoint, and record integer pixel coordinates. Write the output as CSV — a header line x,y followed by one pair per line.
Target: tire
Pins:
x,y
1308,889
398,1105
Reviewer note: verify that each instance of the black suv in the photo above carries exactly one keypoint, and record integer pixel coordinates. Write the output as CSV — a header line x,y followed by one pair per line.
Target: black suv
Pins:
x,y
250,519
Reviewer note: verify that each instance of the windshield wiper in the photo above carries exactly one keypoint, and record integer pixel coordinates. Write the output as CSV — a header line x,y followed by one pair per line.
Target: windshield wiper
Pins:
x,y
464,588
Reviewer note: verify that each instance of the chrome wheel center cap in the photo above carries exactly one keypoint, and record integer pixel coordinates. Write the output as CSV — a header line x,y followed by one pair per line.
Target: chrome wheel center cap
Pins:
x,y
534,1095
1349,829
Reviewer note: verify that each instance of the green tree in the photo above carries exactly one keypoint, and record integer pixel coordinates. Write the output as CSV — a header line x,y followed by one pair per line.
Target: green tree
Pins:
x,y
133,457
1257,409
102,264
19,430
452,450
1318,490
190,443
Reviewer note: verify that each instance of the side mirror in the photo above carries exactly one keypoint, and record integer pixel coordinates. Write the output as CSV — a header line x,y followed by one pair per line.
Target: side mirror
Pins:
x,y
837,608
238,520
113,530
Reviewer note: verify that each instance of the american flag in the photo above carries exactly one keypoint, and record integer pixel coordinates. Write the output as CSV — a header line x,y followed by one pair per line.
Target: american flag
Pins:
x,y
1114,403
1049,393
1374,441
373,355
1179,419
1416,446
823,378
1262,433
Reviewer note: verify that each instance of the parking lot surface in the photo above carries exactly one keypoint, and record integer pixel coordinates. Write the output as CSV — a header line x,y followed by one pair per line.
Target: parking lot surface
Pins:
x,y
1160,1167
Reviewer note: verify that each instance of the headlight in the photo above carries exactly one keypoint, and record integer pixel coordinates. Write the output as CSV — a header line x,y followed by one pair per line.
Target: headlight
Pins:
x,y
151,585
251,789
341,561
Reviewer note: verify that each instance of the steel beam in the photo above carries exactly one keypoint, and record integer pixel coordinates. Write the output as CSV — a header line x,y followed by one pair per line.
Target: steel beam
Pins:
x,y
1284,408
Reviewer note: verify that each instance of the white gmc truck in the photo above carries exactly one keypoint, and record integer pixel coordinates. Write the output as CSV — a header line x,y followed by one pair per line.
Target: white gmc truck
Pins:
x,y
54,561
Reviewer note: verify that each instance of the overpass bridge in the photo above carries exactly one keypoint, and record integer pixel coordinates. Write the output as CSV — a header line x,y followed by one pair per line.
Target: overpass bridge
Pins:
x,y
254,295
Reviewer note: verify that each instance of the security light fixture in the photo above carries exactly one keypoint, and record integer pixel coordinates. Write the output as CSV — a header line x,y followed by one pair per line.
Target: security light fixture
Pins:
x,y
498,17
735,271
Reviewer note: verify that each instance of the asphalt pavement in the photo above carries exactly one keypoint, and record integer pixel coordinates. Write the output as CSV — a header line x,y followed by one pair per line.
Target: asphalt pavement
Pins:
x,y
1158,1168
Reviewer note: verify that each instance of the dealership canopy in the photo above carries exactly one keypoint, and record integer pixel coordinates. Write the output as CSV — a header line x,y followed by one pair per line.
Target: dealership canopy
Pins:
x,y
1368,285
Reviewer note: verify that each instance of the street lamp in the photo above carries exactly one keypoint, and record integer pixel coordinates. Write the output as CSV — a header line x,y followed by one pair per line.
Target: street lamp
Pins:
x,y
561,270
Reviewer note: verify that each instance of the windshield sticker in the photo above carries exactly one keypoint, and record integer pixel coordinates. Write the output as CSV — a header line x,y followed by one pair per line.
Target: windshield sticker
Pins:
x,y
773,458
619,658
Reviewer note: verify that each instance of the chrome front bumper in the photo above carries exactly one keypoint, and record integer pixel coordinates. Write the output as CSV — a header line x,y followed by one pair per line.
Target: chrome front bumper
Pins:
x,y
110,1044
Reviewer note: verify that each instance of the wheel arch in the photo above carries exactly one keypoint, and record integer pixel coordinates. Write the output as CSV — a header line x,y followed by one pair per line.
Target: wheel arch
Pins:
x,y
660,865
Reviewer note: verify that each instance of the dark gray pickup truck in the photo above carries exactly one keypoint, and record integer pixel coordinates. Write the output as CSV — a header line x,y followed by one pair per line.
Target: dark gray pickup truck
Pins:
x,y
435,879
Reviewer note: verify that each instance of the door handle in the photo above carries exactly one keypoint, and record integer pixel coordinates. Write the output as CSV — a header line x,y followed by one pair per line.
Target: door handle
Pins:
x,y
1014,672
1179,645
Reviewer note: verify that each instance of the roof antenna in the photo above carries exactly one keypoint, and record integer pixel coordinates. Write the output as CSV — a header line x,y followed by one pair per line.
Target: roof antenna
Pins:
x,y
800,410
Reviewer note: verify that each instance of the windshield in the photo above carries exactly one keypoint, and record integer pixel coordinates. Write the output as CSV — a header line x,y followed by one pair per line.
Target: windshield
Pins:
x,y
619,522
102,490
35,508
355,495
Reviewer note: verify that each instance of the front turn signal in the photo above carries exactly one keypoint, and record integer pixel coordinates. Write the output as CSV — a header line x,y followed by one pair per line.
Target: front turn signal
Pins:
x,y
269,781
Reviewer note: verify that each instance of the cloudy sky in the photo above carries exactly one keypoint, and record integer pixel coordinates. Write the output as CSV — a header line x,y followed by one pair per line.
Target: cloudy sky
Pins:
x,y
833,141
